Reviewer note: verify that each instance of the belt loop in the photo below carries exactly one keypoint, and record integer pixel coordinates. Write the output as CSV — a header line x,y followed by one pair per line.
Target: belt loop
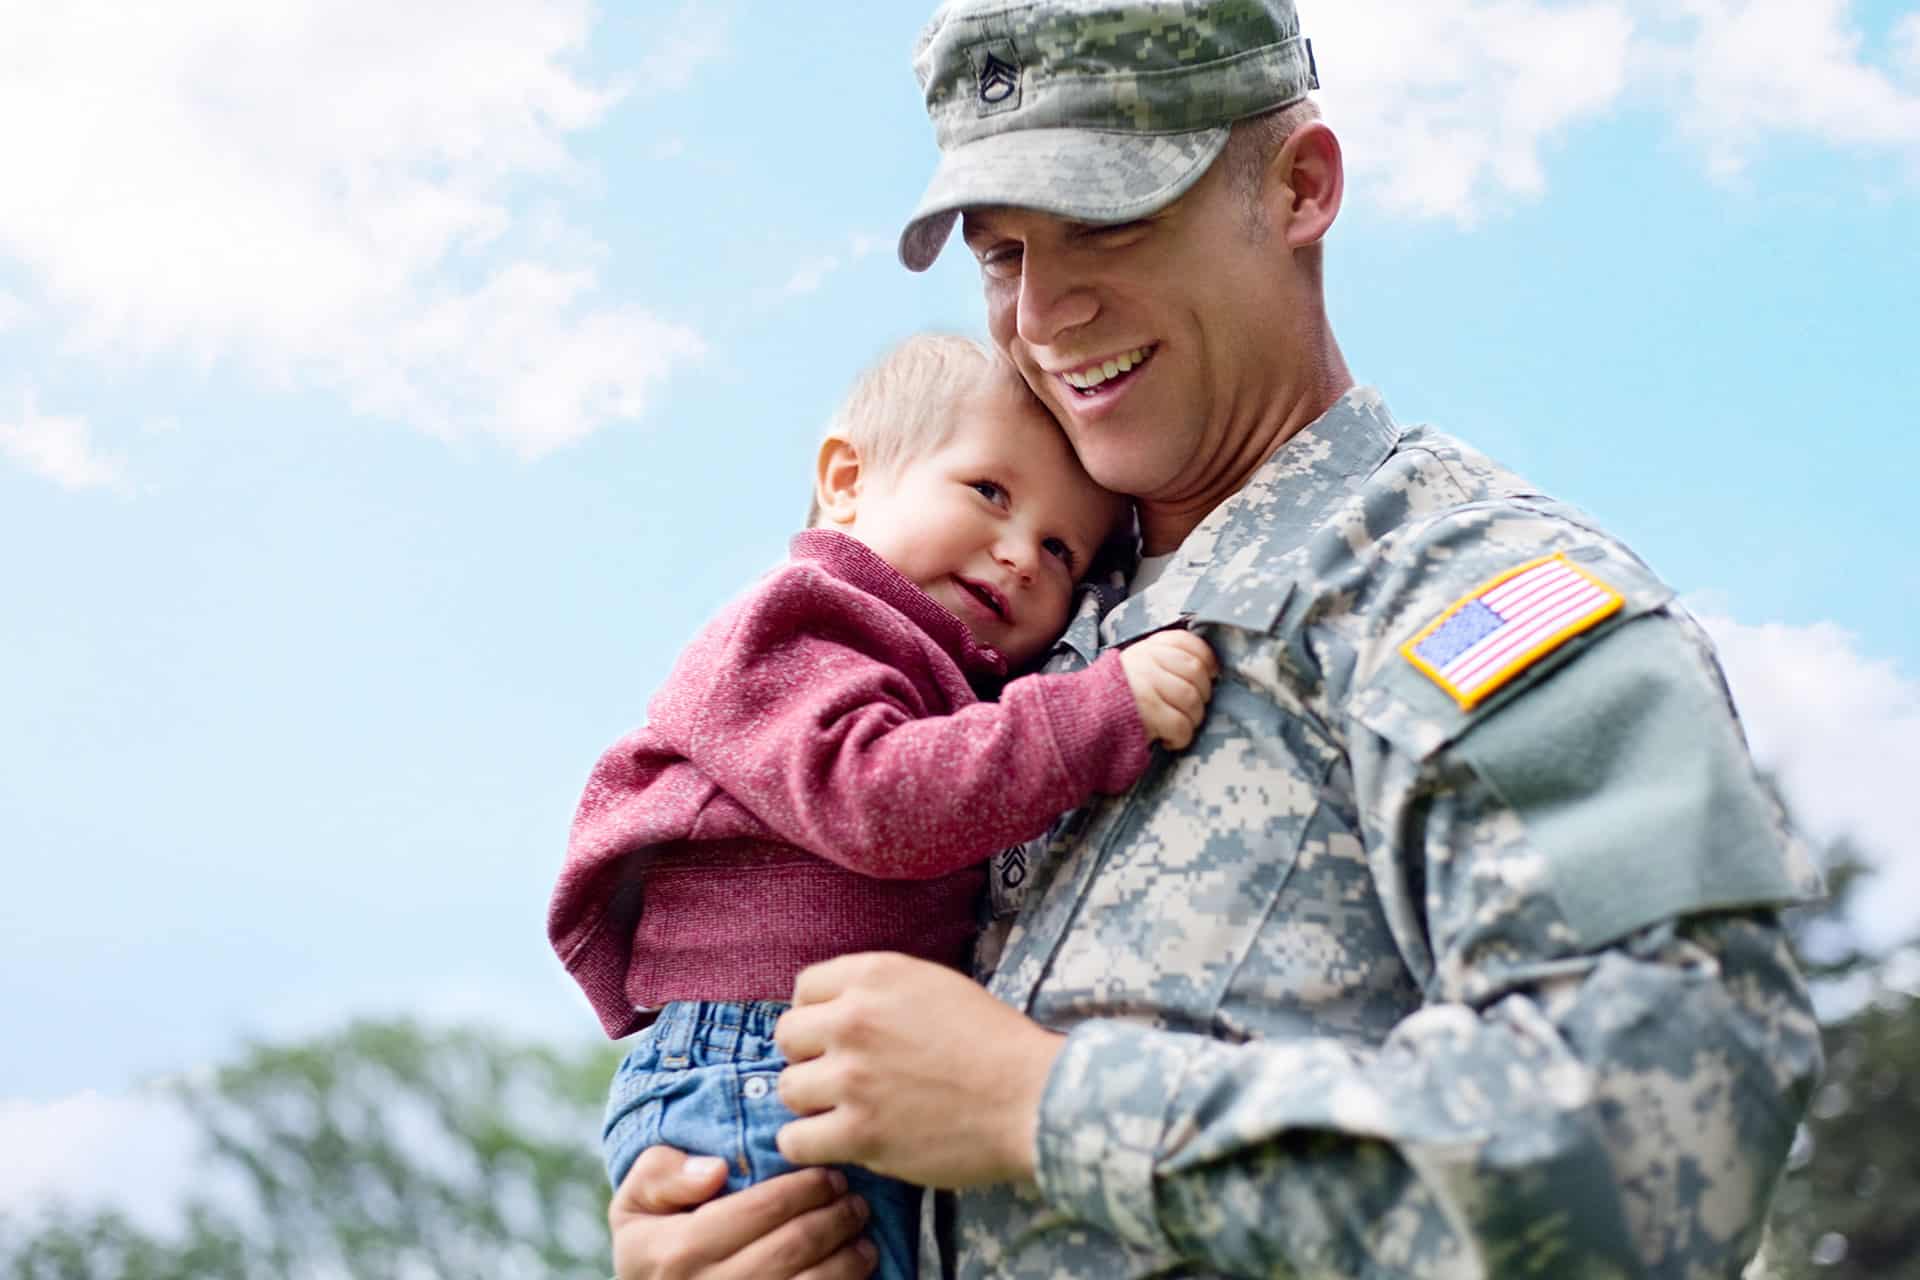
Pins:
x,y
726,1036
676,1040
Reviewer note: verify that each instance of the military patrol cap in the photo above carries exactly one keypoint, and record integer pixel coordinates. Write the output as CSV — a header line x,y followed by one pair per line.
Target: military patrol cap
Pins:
x,y
1095,110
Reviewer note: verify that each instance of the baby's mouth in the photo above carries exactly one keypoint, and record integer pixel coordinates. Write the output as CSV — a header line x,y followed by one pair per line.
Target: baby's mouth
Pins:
x,y
985,595
1091,379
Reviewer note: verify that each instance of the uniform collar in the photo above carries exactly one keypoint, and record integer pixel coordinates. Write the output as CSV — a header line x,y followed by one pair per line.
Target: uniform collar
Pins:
x,y
1230,568
855,563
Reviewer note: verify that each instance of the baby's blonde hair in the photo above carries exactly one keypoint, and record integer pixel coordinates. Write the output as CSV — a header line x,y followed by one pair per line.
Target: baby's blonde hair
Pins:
x,y
904,406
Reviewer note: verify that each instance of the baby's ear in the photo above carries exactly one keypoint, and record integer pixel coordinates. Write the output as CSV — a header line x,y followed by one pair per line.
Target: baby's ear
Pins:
x,y
836,481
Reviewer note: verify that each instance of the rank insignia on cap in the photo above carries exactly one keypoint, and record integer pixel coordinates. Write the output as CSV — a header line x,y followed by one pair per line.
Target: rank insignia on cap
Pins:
x,y
998,80
1505,625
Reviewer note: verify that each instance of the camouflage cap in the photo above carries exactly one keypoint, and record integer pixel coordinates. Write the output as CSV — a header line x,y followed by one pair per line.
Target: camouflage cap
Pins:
x,y
1096,110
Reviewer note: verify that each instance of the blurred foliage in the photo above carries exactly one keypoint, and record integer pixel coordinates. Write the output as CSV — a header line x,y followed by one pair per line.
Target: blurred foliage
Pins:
x,y
1845,1209
386,1150
390,1151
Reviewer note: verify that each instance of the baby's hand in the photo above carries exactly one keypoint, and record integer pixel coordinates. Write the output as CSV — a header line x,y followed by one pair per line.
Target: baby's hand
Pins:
x,y
1171,674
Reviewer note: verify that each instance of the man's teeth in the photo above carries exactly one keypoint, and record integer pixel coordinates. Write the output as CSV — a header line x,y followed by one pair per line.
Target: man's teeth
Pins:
x,y
1093,375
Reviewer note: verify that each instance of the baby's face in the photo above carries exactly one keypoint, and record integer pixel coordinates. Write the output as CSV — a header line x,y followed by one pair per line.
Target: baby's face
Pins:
x,y
997,525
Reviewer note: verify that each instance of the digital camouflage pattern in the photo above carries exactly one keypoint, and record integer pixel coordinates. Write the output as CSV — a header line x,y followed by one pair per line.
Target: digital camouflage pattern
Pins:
x,y
1098,110
1363,984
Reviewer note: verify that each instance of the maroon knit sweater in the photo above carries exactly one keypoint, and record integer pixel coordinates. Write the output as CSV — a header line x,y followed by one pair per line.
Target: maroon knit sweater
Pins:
x,y
818,777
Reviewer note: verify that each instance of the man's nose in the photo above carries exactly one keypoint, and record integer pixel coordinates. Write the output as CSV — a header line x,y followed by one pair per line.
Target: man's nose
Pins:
x,y
1052,299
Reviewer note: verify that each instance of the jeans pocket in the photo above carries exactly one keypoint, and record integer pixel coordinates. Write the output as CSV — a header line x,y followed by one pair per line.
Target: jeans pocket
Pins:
x,y
698,1110
632,1122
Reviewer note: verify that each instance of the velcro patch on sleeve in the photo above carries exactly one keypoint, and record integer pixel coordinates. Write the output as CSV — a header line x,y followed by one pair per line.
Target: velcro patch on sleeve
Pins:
x,y
1508,623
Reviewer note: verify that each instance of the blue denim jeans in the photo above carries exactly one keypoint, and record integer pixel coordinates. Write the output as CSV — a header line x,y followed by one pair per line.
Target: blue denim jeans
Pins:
x,y
702,1078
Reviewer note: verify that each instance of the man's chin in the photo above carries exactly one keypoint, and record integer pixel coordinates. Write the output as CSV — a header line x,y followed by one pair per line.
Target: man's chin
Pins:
x,y
1122,470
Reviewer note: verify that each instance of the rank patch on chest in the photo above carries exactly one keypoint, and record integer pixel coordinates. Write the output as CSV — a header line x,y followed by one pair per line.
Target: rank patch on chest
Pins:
x,y
1508,623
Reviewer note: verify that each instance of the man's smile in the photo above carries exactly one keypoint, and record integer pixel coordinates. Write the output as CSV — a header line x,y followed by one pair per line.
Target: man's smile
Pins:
x,y
1088,379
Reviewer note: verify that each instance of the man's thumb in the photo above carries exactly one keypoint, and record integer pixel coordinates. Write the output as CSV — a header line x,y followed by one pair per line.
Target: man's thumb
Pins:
x,y
666,1180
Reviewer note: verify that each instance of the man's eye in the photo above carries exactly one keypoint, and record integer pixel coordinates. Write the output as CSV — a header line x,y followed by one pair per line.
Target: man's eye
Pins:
x,y
1114,233
990,491
1002,261
1062,551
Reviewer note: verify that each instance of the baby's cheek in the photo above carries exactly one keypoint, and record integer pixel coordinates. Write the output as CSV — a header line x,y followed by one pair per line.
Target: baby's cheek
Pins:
x,y
1059,611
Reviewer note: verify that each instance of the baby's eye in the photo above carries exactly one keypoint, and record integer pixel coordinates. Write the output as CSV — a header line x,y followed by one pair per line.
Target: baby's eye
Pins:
x,y
990,491
1057,548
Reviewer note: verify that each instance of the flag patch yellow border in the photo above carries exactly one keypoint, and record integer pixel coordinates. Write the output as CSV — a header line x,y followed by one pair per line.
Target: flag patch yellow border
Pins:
x,y
1506,624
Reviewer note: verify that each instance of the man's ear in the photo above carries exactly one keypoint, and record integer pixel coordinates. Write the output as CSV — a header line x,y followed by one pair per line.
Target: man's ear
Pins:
x,y
1305,183
836,481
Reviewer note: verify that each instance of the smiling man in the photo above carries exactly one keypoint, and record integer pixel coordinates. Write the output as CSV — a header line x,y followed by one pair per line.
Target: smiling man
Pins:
x,y
1449,948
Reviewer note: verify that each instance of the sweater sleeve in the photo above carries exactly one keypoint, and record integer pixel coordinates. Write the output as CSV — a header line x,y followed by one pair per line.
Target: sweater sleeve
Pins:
x,y
836,750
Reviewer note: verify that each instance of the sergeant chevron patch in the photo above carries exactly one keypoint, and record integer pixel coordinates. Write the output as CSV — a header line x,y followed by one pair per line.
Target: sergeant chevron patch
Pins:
x,y
1505,625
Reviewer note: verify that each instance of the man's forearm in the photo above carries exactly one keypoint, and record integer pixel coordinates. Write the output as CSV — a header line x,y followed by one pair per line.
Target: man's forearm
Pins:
x,y
1628,1121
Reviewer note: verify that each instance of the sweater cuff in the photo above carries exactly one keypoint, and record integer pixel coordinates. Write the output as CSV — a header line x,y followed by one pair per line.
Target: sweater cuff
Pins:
x,y
1097,726
1101,1121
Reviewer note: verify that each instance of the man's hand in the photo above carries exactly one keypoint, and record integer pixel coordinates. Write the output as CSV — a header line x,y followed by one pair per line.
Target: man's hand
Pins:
x,y
800,1226
1171,674
912,1070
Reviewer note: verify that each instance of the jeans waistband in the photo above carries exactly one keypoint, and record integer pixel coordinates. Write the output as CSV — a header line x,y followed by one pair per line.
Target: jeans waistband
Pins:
x,y
721,1025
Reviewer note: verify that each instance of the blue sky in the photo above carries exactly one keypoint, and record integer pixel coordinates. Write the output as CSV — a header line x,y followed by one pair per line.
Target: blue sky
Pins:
x,y
387,391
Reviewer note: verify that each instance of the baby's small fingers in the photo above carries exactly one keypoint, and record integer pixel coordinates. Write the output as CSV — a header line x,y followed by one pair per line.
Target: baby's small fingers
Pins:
x,y
1168,686
1181,708
1191,703
1192,687
1177,641
1183,665
1192,645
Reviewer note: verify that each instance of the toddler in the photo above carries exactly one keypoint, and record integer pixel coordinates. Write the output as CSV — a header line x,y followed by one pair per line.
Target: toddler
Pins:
x,y
819,774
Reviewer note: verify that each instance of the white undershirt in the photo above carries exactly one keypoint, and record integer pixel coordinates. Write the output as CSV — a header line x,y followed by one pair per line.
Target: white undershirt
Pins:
x,y
1151,567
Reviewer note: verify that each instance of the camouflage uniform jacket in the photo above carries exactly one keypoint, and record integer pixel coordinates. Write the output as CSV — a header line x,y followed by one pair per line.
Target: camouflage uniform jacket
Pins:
x,y
1368,984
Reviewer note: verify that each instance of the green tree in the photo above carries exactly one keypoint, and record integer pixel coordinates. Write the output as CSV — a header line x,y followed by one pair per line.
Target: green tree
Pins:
x,y
385,1150
1845,1208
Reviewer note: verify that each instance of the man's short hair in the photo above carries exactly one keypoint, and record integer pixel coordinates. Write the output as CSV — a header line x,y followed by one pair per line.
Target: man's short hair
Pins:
x,y
903,406
1251,147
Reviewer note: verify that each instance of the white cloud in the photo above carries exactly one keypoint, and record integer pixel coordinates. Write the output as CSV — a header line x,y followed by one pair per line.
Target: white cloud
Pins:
x,y
1757,69
60,449
1842,732
697,34
324,192
83,1150
78,1150
13,312
1448,105
1906,46
542,363
809,276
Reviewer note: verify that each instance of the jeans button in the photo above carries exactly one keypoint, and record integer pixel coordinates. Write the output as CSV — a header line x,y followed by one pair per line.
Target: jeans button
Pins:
x,y
756,1086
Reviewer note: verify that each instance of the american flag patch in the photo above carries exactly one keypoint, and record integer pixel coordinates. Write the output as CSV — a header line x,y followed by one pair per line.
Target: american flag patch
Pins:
x,y
1499,629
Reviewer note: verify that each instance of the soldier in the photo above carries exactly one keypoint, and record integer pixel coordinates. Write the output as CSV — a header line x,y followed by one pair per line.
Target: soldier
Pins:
x,y
1450,946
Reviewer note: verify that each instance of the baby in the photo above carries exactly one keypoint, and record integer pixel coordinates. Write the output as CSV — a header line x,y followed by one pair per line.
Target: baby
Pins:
x,y
819,775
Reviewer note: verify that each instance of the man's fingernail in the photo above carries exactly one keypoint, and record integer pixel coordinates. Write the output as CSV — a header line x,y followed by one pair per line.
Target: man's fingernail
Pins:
x,y
706,1166
859,1205
867,1251
837,1180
